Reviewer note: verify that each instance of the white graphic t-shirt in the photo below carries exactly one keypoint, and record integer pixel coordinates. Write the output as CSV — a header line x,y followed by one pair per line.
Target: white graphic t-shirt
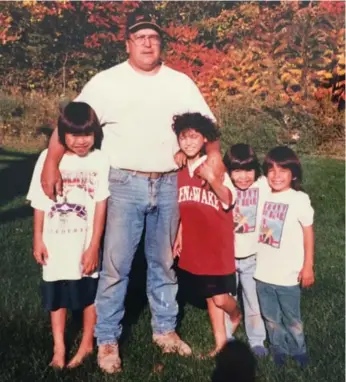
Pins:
x,y
246,216
280,247
68,222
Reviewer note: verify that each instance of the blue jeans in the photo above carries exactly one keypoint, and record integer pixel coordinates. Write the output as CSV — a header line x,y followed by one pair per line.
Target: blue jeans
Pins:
x,y
280,307
137,201
254,324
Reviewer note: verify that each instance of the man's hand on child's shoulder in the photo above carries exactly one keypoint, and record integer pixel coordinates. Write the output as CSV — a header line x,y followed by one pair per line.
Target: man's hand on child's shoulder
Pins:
x,y
180,159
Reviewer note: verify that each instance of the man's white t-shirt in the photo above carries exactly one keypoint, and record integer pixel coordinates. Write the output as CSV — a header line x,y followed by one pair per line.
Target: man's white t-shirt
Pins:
x,y
246,214
68,222
138,112
280,249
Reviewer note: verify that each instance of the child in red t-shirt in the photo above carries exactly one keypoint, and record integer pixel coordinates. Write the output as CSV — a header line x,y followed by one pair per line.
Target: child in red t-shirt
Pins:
x,y
205,239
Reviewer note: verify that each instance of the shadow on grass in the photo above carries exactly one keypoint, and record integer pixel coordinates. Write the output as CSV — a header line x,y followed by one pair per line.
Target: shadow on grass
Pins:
x,y
15,180
235,363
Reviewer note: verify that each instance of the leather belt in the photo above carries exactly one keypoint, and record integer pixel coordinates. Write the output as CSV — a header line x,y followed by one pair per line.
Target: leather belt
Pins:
x,y
150,175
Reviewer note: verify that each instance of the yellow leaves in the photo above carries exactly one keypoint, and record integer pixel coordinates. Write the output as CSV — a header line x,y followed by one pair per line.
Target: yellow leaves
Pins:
x,y
29,3
341,61
251,79
296,72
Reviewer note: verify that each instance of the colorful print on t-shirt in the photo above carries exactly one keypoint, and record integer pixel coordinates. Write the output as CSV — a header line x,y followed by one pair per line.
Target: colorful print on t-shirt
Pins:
x,y
272,223
69,213
245,211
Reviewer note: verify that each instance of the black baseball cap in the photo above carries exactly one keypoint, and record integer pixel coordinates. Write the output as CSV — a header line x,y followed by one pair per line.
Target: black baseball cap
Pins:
x,y
140,19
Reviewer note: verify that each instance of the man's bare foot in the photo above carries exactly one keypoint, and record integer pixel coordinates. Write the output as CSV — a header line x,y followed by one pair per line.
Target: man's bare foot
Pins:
x,y
79,357
58,360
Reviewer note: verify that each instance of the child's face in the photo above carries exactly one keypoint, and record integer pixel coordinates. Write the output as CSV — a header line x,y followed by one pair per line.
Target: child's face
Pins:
x,y
243,179
279,178
80,144
191,142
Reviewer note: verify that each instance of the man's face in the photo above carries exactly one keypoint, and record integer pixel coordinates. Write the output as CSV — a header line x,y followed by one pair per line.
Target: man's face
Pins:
x,y
144,49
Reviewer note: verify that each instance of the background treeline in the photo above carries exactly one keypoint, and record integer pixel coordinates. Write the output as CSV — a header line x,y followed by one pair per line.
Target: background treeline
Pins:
x,y
274,72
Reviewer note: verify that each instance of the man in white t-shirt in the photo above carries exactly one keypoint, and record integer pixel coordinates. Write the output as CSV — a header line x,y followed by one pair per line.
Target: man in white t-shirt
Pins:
x,y
136,100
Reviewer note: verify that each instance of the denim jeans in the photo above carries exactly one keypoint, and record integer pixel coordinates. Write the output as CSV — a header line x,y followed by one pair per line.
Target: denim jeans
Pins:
x,y
137,202
254,324
280,307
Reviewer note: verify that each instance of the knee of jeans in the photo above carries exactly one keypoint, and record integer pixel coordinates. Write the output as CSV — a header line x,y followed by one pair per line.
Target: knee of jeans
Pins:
x,y
297,327
272,325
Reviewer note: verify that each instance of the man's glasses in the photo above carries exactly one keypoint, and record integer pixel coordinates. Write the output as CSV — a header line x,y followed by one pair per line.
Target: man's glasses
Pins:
x,y
153,39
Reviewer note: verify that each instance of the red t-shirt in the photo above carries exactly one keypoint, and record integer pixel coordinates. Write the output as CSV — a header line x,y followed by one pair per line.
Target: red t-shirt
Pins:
x,y
207,237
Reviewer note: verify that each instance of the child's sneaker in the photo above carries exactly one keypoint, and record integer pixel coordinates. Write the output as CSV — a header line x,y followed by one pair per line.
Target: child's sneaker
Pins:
x,y
279,359
172,343
260,351
301,359
108,358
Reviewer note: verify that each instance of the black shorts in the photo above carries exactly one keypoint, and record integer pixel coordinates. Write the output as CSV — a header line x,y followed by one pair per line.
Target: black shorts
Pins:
x,y
207,286
69,294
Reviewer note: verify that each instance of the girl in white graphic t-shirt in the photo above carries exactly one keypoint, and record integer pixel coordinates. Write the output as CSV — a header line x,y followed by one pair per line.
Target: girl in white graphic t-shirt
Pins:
x,y
245,171
285,255
67,232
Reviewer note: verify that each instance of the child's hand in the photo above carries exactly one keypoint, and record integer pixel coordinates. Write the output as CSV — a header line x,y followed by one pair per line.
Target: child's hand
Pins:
x,y
90,260
40,251
306,276
180,159
177,247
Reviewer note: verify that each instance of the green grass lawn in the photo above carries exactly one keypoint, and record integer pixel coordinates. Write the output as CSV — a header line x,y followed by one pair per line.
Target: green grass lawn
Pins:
x,y
26,341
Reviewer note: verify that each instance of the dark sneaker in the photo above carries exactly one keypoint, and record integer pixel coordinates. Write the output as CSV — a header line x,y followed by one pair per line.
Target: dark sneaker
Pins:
x,y
279,359
260,351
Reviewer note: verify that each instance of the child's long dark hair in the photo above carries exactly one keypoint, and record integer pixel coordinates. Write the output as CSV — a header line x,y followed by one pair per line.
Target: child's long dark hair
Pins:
x,y
79,118
285,157
241,156
203,124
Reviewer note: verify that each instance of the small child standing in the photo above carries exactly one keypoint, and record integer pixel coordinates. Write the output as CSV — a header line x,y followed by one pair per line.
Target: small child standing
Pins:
x,y
67,232
244,169
285,256
205,239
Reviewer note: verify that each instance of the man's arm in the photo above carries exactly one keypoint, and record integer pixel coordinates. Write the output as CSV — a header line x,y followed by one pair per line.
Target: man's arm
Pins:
x,y
214,159
50,177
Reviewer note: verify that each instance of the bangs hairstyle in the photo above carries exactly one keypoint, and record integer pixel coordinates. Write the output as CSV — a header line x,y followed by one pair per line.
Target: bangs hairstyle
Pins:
x,y
286,158
202,124
79,118
242,157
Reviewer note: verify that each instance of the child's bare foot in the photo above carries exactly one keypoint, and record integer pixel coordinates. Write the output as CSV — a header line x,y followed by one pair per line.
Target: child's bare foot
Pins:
x,y
79,357
58,360
212,354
